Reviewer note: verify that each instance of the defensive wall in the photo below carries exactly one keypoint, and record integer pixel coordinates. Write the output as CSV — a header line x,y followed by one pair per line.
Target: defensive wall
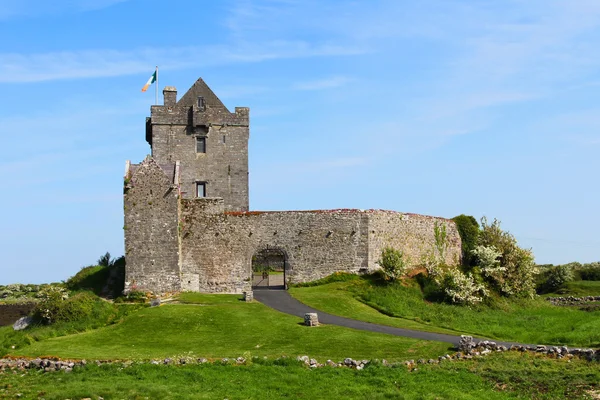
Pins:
x,y
194,244
217,247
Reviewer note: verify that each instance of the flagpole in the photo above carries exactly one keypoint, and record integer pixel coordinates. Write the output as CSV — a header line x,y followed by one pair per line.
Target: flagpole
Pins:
x,y
156,88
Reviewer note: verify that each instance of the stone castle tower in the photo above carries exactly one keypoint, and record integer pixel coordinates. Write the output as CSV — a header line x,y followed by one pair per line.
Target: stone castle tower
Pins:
x,y
188,227
210,143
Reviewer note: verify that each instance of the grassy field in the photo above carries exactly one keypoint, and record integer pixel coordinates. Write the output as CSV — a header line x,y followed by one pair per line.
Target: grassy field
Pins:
x,y
216,326
578,289
527,321
501,376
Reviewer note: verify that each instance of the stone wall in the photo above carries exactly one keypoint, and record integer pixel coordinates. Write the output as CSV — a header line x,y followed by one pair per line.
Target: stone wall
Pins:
x,y
413,234
217,248
10,313
151,228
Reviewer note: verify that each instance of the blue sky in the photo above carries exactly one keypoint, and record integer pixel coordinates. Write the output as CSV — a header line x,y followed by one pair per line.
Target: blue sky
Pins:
x,y
440,107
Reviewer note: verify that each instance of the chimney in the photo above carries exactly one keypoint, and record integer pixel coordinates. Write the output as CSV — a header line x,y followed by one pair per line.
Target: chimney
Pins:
x,y
170,96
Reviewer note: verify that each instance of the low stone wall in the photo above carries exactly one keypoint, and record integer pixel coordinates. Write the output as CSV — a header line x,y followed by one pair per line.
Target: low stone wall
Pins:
x,y
10,313
468,350
572,301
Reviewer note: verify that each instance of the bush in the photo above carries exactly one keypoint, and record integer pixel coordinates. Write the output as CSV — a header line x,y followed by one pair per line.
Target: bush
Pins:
x,y
468,229
92,278
519,270
461,288
105,279
558,276
589,272
57,306
488,260
392,263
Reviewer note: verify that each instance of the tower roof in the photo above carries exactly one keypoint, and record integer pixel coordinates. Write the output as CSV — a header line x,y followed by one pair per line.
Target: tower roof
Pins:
x,y
201,89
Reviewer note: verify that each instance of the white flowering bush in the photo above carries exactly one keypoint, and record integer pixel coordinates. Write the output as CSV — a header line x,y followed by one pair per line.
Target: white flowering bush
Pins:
x,y
488,260
461,288
516,271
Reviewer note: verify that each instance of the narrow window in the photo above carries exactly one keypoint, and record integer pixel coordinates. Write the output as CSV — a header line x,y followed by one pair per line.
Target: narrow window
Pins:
x,y
223,139
201,103
200,189
200,144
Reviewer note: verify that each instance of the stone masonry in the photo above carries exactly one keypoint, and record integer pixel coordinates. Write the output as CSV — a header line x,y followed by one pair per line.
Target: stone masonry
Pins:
x,y
187,224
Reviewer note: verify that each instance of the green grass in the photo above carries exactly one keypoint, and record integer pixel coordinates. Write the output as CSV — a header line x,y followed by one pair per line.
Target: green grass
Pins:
x,y
339,298
577,289
526,321
223,326
11,340
502,376
208,299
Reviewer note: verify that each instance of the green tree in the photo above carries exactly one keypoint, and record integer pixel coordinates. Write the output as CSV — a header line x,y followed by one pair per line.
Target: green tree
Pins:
x,y
468,229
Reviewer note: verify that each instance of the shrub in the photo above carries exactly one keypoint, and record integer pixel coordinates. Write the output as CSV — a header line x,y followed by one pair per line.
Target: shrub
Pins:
x,y
558,276
105,279
91,278
461,288
589,272
468,229
56,306
518,276
488,260
392,263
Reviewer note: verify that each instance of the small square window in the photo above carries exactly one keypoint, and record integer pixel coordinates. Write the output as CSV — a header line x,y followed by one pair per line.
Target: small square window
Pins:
x,y
200,189
200,145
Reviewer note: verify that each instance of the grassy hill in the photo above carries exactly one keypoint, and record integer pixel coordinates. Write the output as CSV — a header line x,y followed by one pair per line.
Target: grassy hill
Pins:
x,y
216,326
403,305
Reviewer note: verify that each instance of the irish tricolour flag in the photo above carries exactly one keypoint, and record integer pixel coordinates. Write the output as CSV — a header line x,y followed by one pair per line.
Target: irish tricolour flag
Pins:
x,y
150,82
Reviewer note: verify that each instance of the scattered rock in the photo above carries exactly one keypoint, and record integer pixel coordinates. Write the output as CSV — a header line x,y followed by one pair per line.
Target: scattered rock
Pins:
x,y
155,302
22,323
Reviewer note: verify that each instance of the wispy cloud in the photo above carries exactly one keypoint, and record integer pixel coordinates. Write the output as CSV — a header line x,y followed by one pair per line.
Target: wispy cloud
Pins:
x,y
36,8
20,68
326,83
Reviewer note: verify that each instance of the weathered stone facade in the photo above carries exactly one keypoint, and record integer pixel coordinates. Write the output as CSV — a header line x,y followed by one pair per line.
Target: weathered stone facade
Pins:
x,y
178,237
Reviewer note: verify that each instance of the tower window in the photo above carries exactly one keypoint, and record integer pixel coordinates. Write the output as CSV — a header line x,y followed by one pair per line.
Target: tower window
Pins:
x,y
200,144
200,189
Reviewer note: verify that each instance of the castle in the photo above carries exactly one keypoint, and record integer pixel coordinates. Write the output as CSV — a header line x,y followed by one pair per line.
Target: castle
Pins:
x,y
188,226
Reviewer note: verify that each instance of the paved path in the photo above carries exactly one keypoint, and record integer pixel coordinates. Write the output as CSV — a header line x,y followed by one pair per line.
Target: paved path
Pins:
x,y
281,300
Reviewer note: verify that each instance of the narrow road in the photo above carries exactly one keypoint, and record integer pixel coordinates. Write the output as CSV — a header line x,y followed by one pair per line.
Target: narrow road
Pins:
x,y
281,300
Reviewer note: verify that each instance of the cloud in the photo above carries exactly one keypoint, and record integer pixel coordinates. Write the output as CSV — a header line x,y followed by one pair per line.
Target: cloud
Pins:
x,y
36,8
326,83
23,68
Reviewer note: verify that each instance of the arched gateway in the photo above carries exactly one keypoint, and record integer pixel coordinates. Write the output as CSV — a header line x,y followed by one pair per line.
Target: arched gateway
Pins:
x,y
269,268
